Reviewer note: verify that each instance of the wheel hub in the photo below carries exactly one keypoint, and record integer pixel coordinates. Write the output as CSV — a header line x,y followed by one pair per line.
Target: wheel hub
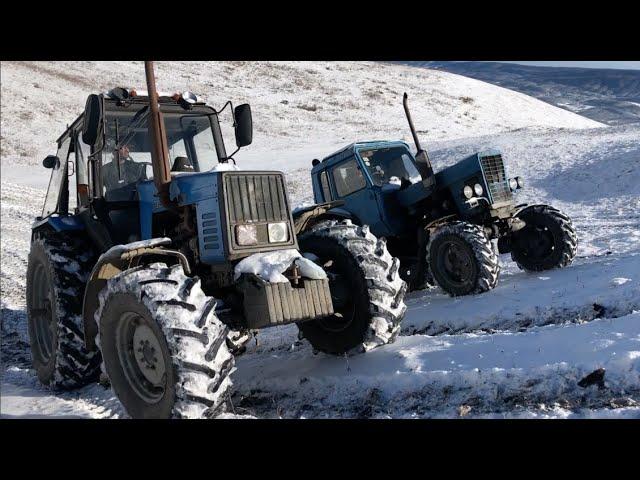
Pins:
x,y
539,242
457,262
147,353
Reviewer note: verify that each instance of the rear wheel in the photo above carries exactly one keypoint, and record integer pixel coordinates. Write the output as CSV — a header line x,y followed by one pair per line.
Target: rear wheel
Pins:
x,y
56,278
462,259
163,347
547,241
366,289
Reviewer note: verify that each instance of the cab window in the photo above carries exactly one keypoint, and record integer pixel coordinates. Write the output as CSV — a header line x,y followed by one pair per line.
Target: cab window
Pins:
x,y
348,178
326,190
385,163
126,155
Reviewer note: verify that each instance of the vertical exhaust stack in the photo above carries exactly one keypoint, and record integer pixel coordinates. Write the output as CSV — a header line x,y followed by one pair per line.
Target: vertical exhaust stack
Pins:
x,y
422,158
159,148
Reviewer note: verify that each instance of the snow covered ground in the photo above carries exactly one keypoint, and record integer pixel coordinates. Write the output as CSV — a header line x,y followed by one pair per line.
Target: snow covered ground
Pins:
x,y
518,351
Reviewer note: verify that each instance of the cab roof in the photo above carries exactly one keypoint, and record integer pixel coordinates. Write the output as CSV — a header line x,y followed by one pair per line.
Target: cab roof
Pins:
x,y
138,102
348,150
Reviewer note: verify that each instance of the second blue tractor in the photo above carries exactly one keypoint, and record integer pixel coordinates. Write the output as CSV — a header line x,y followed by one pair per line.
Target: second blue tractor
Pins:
x,y
442,225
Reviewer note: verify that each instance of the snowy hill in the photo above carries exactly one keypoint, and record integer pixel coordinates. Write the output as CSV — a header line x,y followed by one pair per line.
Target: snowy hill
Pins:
x,y
293,103
610,96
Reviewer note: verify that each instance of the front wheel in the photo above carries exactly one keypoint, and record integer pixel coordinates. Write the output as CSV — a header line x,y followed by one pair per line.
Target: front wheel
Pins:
x,y
462,259
365,284
162,344
548,240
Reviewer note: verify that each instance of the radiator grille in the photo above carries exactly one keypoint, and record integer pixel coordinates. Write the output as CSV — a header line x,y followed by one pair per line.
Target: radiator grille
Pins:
x,y
494,173
256,198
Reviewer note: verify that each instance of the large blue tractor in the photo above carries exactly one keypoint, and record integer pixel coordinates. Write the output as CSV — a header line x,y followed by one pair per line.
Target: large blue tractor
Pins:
x,y
155,257
441,225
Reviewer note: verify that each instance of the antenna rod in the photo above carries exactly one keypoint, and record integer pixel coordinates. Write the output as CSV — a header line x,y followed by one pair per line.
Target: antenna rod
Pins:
x,y
158,138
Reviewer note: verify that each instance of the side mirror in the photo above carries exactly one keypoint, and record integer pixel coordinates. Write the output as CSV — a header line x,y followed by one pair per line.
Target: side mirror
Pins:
x,y
92,119
244,125
51,161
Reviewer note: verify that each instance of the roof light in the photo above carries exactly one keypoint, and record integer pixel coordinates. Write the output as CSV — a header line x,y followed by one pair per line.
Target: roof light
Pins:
x,y
118,93
187,99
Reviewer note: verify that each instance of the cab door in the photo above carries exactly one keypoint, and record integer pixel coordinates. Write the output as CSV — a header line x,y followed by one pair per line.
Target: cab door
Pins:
x,y
351,184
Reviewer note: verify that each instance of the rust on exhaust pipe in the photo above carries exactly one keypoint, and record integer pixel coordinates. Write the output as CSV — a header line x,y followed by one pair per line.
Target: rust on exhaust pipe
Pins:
x,y
159,148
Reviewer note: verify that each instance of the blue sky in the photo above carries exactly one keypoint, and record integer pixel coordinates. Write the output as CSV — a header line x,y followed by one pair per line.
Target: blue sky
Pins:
x,y
600,64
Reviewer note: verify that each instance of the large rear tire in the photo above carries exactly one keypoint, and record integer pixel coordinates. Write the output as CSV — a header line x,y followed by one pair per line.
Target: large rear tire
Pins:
x,y
548,240
366,288
57,272
163,347
462,259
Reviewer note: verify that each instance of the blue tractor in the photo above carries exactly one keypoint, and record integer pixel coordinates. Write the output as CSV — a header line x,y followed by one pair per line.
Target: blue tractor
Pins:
x,y
441,225
157,258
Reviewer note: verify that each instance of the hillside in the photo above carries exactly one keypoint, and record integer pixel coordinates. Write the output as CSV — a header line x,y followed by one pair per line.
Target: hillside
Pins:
x,y
610,96
294,103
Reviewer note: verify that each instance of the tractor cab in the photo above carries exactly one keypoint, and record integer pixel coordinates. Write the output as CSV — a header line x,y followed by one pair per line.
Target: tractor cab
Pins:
x,y
114,172
369,173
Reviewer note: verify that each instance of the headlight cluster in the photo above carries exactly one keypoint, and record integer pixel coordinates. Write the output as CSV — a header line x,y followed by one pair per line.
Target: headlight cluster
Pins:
x,y
468,191
247,234
516,183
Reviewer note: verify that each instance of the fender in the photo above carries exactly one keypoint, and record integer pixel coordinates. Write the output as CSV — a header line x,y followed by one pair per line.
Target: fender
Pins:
x,y
305,218
111,263
523,207
58,223
430,227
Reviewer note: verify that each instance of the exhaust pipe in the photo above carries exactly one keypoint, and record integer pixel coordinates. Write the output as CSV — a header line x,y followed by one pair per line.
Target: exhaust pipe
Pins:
x,y
422,158
157,134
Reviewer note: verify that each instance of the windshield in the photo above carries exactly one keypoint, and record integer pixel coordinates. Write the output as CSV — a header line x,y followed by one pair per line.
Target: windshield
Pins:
x,y
190,140
385,163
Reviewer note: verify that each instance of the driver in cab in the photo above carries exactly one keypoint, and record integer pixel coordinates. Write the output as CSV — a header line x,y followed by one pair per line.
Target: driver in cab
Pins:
x,y
130,170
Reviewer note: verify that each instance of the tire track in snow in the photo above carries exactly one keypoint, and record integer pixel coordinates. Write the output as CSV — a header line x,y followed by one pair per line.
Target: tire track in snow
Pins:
x,y
448,376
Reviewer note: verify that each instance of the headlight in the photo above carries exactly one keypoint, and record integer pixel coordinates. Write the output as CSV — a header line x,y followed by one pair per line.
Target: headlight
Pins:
x,y
246,234
467,191
513,184
520,182
478,189
278,232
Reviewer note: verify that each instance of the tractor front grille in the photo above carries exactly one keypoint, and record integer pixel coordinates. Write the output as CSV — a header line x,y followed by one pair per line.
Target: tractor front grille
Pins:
x,y
256,198
259,199
494,173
